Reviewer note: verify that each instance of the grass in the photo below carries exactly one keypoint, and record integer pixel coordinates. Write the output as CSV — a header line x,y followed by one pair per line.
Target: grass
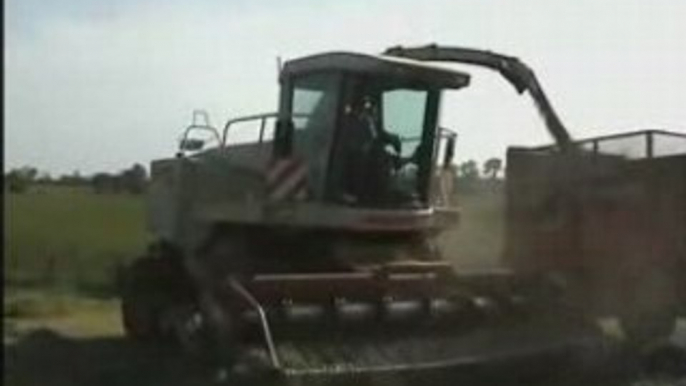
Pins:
x,y
61,242
67,313
33,304
65,236
70,237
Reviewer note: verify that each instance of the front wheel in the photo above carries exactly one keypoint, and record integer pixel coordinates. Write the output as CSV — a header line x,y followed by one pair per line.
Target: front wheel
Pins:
x,y
151,288
140,304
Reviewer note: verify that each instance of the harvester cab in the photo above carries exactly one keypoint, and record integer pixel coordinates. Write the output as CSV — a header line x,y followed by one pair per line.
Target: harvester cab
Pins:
x,y
355,135
365,126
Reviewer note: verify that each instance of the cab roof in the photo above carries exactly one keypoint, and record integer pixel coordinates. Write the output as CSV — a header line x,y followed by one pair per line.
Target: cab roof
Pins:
x,y
375,65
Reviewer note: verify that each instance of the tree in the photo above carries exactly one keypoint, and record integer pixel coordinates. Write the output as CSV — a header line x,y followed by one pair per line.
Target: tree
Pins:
x,y
469,171
75,179
105,183
492,167
134,180
20,180
44,178
468,176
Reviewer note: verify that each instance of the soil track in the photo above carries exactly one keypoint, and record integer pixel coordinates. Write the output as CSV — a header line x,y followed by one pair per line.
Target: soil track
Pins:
x,y
43,356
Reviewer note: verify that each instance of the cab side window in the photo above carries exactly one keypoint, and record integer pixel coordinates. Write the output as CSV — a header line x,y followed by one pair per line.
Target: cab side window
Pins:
x,y
313,107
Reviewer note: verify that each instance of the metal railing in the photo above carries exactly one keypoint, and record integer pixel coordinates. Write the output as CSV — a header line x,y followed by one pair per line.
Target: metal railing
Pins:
x,y
633,145
222,139
195,125
263,124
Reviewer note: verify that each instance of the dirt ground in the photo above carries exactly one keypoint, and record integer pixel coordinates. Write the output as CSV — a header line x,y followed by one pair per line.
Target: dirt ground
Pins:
x,y
85,346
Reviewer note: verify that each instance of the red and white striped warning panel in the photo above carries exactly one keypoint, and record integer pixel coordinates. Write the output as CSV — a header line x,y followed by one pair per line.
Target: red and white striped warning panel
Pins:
x,y
287,180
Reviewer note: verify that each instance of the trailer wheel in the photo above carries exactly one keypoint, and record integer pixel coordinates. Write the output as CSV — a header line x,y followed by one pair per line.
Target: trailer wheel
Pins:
x,y
643,329
652,316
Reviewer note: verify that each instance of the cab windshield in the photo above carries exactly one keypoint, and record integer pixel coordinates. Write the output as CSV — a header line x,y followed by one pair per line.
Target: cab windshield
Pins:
x,y
384,142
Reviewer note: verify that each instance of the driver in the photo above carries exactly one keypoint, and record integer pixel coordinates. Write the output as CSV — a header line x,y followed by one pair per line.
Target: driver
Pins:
x,y
369,164
368,114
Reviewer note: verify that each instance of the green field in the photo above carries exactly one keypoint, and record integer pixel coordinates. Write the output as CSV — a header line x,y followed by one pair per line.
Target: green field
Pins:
x,y
62,247
70,237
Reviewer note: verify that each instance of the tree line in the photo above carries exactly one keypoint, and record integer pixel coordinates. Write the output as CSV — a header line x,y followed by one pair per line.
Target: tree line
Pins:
x,y
470,178
133,180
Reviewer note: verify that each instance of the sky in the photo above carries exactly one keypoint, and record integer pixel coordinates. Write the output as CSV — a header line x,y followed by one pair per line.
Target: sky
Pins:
x,y
100,85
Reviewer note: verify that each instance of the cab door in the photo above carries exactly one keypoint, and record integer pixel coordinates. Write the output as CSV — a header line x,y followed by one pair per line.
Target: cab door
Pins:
x,y
311,104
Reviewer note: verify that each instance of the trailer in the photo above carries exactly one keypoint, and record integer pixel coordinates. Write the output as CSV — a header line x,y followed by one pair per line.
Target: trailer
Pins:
x,y
609,221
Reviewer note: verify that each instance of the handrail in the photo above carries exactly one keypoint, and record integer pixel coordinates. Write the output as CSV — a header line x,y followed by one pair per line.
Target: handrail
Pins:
x,y
630,134
197,126
201,127
596,141
263,117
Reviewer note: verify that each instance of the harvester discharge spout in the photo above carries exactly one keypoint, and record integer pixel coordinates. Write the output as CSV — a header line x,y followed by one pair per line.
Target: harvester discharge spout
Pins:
x,y
511,68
